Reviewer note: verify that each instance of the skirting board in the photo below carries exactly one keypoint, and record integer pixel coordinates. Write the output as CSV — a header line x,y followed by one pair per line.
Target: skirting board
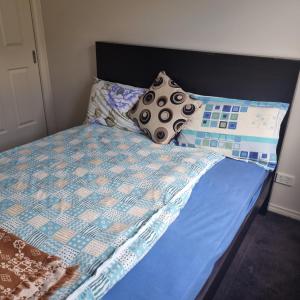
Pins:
x,y
284,211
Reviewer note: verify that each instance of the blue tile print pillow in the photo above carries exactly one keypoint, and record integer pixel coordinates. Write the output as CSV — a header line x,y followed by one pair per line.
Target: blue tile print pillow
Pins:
x,y
110,102
240,129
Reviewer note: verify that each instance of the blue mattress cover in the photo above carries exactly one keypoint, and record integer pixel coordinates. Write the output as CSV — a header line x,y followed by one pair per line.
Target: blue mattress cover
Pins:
x,y
181,261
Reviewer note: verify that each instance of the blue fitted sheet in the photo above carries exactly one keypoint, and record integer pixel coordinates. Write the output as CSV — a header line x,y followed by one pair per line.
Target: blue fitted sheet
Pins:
x,y
181,261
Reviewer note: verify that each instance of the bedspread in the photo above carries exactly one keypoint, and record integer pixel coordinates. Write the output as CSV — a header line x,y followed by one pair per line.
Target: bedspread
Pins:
x,y
98,197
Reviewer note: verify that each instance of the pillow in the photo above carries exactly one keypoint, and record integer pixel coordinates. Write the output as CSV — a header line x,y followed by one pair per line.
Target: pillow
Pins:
x,y
240,129
110,102
163,110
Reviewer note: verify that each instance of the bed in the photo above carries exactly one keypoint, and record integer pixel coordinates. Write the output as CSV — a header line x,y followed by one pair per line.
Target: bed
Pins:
x,y
77,194
200,235
223,75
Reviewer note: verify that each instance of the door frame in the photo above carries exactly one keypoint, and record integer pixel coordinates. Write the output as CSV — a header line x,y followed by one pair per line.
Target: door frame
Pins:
x,y
41,51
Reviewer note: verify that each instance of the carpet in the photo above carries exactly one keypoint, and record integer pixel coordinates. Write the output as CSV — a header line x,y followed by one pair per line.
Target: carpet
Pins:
x,y
267,265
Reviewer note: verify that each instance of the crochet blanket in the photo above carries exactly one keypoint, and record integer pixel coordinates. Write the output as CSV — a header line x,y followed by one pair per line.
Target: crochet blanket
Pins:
x,y
28,273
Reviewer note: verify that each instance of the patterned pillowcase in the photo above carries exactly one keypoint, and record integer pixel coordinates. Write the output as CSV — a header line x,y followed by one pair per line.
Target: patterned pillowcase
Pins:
x,y
163,110
110,102
240,129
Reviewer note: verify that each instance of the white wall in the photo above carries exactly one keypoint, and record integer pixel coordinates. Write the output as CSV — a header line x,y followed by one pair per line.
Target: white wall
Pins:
x,y
284,199
256,27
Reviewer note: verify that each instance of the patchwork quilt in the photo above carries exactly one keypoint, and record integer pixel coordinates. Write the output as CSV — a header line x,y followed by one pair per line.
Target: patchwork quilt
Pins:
x,y
97,197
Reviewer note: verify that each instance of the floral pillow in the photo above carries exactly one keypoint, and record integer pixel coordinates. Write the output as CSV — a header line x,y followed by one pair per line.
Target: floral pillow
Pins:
x,y
110,102
163,110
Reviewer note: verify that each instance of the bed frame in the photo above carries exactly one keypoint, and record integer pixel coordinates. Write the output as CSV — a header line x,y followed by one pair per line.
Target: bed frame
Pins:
x,y
214,74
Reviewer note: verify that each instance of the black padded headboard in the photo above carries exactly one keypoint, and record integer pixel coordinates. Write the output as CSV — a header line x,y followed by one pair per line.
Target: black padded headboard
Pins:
x,y
214,74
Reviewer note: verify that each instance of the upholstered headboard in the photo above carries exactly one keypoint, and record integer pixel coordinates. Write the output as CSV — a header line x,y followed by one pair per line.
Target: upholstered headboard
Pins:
x,y
214,74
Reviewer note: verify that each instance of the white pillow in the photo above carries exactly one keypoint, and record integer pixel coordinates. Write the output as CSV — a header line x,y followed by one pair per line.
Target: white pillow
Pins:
x,y
110,102
240,129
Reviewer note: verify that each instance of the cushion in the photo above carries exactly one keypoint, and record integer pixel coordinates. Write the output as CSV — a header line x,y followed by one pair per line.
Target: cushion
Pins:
x,y
163,110
110,102
240,129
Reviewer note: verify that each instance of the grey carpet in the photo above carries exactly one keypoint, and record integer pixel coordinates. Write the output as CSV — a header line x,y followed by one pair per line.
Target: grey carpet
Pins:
x,y
267,265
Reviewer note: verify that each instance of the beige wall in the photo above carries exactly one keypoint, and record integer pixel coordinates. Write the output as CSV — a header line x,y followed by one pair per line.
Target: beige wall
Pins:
x,y
257,27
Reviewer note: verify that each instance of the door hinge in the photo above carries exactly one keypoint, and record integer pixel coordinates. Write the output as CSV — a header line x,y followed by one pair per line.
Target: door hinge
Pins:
x,y
34,56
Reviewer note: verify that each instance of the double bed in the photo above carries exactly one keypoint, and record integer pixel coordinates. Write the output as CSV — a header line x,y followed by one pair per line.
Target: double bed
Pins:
x,y
171,252
206,73
182,260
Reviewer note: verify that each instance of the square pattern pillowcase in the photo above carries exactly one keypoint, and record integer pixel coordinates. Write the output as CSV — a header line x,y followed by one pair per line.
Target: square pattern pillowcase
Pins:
x,y
110,102
163,110
240,129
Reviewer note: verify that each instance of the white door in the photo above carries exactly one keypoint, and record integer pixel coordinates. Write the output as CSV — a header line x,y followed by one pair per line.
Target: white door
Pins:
x,y
22,117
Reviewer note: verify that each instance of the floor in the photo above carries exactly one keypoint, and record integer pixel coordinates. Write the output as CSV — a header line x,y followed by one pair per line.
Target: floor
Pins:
x,y
267,265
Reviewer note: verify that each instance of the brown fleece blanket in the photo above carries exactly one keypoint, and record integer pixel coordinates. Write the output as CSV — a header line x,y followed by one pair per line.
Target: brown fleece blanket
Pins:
x,y
28,273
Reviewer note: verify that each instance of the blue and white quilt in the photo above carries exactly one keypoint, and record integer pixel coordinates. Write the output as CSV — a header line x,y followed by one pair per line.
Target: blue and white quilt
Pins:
x,y
96,196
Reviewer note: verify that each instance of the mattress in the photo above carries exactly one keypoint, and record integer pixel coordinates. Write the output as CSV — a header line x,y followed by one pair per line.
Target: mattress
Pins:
x,y
182,260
